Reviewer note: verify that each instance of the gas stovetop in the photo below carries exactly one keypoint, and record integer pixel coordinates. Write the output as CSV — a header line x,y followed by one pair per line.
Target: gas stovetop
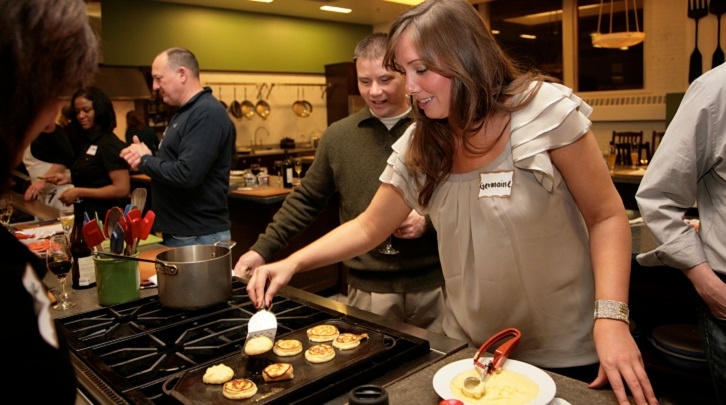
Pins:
x,y
127,352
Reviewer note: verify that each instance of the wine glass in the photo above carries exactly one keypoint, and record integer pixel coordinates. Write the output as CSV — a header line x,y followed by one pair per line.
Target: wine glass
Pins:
x,y
634,155
58,259
278,170
66,220
298,167
6,211
388,249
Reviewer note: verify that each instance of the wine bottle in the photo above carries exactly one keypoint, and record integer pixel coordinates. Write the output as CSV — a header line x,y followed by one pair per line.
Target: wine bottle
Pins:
x,y
83,272
287,170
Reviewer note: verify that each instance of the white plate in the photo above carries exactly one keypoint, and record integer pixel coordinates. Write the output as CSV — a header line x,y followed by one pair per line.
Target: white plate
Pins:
x,y
547,389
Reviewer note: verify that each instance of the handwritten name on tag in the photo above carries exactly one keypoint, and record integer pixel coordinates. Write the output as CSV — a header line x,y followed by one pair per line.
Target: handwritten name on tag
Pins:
x,y
496,184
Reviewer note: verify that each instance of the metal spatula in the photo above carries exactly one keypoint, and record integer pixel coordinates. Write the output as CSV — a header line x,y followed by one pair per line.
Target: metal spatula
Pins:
x,y
262,323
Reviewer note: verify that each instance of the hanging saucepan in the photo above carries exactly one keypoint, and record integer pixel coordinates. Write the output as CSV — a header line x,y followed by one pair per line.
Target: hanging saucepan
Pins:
x,y
301,107
248,109
236,108
262,108
220,98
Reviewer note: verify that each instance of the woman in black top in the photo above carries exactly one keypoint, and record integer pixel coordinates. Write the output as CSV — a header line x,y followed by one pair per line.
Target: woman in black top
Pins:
x,y
99,175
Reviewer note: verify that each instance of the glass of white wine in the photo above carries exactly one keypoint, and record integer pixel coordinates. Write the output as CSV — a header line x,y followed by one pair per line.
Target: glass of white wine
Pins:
x,y
66,221
278,171
298,167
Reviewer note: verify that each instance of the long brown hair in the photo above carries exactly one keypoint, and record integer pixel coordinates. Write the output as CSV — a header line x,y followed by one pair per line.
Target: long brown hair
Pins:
x,y
453,40
47,50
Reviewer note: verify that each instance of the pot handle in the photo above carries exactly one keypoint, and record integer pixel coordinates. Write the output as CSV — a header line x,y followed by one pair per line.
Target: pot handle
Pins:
x,y
164,267
226,243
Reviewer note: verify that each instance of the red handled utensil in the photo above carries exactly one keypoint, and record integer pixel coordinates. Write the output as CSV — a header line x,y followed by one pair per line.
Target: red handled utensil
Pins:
x,y
146,224
93,235
125,224
501,354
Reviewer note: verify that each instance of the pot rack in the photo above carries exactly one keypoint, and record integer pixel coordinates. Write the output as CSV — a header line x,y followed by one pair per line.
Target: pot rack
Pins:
x,y
261,86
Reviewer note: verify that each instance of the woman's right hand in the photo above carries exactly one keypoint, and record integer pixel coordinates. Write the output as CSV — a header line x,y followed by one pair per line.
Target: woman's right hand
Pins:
x,y
31,193
278,274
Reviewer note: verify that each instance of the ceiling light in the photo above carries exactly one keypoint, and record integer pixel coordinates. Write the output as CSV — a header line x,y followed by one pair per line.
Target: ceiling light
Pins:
x,y
336,9
406,2
495,32
618,40
528,36
263,1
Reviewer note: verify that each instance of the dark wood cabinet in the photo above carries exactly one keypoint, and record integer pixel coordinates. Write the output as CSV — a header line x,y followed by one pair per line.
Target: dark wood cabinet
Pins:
x,y
342,82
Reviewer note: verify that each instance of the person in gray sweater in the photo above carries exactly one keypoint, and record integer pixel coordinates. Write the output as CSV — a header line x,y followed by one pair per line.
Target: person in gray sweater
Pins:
x,y
351,155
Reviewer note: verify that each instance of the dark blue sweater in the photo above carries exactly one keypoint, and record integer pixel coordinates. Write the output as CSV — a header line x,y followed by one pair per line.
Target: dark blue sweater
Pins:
x,y
190,173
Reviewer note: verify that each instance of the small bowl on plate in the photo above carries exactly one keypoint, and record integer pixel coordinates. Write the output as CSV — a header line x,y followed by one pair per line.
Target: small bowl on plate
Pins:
x,y
547,389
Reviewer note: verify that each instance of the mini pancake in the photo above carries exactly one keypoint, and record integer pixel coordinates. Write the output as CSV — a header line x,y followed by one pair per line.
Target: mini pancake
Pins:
x,y
323,333
218,374
288,347
320,353
347,341
258,345
277,372
239,388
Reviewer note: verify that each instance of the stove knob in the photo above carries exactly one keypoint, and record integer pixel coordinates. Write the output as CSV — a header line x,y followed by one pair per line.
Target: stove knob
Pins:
x,y
368,395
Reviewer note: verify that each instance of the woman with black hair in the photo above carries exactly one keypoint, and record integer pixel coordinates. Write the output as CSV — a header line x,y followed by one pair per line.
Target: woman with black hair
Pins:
x,y
100,176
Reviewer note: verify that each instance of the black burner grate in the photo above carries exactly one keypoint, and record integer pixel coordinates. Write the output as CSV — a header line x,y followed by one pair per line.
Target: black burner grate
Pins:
x,y
135,347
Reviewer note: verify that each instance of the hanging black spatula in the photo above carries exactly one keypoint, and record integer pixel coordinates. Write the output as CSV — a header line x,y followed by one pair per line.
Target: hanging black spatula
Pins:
x,y
697,9
717,8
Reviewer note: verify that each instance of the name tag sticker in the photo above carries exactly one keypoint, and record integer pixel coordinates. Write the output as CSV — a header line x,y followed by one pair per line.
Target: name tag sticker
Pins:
x,y
92,150
496,184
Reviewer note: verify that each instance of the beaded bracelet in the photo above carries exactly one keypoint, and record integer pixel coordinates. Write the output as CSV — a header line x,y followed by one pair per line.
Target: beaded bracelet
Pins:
x,y
612,310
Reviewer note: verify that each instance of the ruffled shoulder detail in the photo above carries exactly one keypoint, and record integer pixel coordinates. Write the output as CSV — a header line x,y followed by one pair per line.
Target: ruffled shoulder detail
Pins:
x,y
555,117
396,172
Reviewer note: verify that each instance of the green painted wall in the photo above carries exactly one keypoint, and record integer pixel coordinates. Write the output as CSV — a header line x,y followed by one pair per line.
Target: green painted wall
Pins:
x,y
134,31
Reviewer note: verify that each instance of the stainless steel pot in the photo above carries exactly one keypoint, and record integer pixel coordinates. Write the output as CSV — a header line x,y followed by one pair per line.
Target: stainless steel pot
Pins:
x,y
203,275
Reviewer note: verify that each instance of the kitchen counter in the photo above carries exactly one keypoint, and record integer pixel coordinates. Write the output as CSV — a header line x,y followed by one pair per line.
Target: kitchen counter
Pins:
x,y
626,174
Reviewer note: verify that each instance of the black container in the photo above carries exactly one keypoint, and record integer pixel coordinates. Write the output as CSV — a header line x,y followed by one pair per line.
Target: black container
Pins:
x,y
368,395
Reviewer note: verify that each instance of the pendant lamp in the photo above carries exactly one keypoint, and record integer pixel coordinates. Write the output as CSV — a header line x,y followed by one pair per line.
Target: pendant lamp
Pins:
x,y
621,39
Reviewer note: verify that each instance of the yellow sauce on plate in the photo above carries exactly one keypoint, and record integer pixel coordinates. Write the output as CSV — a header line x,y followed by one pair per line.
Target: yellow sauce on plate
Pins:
x,y
500,388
